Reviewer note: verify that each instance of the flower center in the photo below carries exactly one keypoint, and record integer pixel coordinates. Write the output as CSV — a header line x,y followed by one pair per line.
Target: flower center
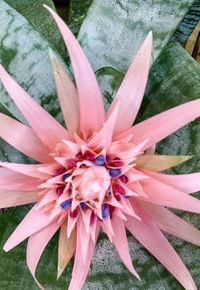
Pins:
x,y
89,182
93,184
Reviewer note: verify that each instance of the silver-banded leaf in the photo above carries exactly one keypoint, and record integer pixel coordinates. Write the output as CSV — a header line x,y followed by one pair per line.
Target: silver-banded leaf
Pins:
x,y
24,53
113,30
39,18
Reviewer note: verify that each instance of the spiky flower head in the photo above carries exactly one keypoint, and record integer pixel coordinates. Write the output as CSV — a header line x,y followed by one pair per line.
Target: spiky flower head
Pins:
x,y
97,173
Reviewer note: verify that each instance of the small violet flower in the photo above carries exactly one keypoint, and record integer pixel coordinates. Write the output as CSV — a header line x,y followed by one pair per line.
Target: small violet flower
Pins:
x,y
96,174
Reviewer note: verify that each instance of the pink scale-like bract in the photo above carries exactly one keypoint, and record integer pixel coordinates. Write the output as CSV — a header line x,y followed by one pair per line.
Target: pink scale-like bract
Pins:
x,y
98,173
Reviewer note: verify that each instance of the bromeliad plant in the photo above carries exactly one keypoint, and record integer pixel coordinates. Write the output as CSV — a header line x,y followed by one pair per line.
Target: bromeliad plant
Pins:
x,y
97,173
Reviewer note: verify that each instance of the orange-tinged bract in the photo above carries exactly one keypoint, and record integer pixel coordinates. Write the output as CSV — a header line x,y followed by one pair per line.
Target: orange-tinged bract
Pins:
x,y
97,173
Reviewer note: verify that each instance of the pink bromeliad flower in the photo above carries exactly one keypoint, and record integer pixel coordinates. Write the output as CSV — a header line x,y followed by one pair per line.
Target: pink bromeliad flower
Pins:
x,y
97,173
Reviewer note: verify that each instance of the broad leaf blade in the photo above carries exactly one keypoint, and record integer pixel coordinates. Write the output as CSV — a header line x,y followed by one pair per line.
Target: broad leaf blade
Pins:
x,y
24,53
39,18
113,30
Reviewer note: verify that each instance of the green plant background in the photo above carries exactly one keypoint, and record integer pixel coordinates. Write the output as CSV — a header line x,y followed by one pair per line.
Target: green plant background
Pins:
x,y
110,33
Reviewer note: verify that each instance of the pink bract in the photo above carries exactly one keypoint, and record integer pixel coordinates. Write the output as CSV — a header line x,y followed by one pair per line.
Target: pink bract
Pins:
x,y
97,173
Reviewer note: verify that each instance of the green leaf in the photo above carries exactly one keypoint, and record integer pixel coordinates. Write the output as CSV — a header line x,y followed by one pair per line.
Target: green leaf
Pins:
x,y
77,13
24,52
188,24
109,80
39,18
113,30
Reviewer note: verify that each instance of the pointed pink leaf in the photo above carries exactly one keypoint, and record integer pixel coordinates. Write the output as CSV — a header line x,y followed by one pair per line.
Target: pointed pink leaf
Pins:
x,y
135,175
133,86
23,139
128,209
107,228
119,214
149,235
92,115
112,201
71,223
67,94
86,216
162,125
62,217
49,196
121,144
15,198
128,191
172,224
10,180
93,229
187,183
162,194
44,125
85,238
75,202
136,187
106,132
81,269
49,169
74,148
121,244
26,169
33,222
36,245
56,213
130,154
